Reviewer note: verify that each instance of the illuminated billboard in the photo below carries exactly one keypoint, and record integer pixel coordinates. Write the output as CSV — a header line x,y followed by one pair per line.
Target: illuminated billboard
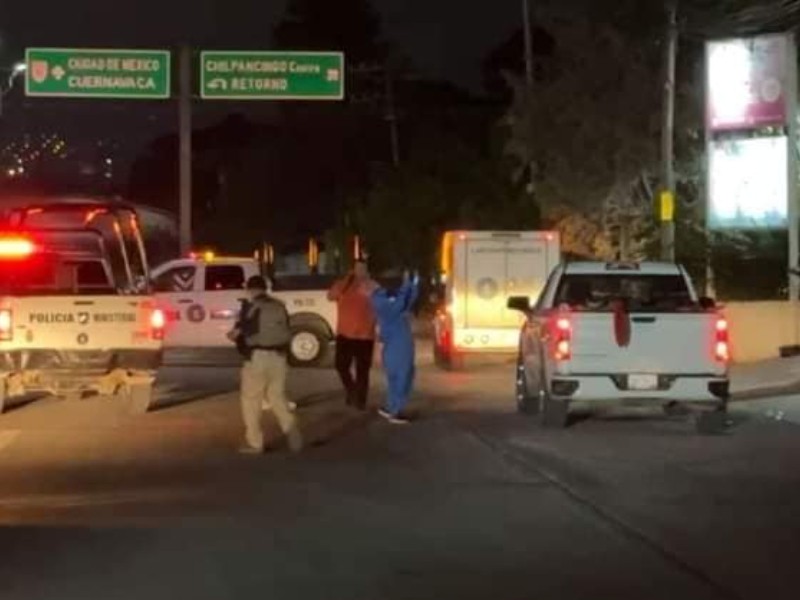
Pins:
x,y
748,183
747,82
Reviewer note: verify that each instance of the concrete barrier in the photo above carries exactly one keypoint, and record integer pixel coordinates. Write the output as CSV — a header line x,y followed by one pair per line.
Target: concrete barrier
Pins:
x,y
759,329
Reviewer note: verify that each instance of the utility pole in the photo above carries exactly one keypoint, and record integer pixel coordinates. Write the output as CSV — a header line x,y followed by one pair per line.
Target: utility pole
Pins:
x,y
526,23
526,28
185,148
391,114
667,198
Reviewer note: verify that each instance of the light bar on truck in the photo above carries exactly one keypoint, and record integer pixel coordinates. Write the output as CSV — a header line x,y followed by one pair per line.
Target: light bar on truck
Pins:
x,y
16,247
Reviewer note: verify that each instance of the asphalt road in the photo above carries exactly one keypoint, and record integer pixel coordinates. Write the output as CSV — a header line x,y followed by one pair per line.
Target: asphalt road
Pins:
x,y
470,501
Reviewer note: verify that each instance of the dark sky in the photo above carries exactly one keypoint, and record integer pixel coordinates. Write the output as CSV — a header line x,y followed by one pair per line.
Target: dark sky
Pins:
x,y
446,38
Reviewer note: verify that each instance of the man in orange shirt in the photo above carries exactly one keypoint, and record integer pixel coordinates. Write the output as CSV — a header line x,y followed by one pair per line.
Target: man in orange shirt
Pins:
x,y
355,333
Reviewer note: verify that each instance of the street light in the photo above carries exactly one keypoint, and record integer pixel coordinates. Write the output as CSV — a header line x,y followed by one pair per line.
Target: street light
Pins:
x,y
17,69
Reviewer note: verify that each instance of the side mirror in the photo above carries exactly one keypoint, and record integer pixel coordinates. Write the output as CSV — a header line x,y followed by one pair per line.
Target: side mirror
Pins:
x,y
520,303
707,303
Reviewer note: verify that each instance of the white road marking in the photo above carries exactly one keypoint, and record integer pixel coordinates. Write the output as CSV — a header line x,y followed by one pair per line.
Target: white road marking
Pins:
x,y
7,438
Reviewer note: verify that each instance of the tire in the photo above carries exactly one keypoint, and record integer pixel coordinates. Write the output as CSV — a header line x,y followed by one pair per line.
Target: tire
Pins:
x,y
448,361
308,346
714,422
527,404
555,413
675,409
439,356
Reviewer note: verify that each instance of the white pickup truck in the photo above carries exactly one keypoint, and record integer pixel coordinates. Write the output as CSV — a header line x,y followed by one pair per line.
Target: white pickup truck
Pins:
x,y
201,296
630,333
75,309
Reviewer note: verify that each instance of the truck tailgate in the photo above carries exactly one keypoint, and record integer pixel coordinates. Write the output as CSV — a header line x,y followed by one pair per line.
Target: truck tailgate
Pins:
x,y
663,343
81,323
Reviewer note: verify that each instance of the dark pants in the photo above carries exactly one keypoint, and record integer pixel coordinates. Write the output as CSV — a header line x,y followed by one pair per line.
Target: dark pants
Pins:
x,y
348,351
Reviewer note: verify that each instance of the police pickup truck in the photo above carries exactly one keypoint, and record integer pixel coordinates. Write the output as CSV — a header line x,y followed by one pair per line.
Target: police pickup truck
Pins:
x,y
634,334
74,316
202,295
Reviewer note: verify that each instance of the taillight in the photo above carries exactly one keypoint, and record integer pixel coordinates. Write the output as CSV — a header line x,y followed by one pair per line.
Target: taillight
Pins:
x,y
157,322
722,351
562,349
6,325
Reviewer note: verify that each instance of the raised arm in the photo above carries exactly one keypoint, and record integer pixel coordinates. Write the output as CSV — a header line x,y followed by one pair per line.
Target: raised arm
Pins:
x,y
408,293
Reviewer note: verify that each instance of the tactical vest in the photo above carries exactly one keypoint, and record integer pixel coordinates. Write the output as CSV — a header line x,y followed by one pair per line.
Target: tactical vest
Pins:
x,y
267,324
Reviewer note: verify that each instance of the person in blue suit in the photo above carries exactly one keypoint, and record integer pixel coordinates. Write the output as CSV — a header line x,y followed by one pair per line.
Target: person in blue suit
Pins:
x,y
393,312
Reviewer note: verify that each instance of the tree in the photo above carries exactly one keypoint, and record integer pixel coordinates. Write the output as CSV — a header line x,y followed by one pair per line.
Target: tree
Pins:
x,y
508,58
448,184
591,127
350,26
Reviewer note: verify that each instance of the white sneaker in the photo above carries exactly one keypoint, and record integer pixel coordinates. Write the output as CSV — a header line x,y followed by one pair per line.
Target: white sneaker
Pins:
x,y
248,449
394,420
267,405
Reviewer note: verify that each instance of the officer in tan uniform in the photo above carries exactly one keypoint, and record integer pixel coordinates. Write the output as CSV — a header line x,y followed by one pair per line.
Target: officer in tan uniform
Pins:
x,y
266,334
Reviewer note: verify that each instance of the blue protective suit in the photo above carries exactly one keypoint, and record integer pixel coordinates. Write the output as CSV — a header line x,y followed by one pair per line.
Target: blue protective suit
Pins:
x,y
393,314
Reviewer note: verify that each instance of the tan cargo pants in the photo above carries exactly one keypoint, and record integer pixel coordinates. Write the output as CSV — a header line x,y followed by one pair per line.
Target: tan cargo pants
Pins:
x,y
264,376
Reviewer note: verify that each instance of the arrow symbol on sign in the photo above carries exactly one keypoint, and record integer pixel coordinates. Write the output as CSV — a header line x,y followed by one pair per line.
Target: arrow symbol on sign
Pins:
x,y
218,84
58,72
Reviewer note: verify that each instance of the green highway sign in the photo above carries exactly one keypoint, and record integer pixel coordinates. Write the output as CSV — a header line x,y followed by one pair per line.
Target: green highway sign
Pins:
x,y
96,73
271,75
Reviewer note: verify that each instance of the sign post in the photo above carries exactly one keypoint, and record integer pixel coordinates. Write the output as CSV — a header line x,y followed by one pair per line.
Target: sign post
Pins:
x,y
232,75
96,73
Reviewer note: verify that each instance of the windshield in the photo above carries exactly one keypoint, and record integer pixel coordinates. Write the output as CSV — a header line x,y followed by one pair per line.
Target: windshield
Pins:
x,y
44,275
641,293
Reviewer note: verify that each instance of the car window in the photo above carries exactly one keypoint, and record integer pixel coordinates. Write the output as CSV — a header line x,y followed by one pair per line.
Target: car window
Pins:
x,y
641,293
91,274
224,277
546,290
177,279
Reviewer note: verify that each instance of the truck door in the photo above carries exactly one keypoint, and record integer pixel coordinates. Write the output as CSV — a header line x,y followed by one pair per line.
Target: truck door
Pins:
x,y
527,269
484,303
224,289
177,292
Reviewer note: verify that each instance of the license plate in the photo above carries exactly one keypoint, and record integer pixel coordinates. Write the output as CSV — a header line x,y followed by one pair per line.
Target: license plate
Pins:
x,y
642,382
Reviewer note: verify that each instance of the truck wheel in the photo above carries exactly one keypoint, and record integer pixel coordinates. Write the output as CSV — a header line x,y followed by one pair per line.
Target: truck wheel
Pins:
x,y
526,403
555,413
308,346
439,356
712,423
448,361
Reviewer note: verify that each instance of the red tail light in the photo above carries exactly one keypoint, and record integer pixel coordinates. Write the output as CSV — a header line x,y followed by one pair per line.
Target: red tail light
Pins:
x,y
562,350
722,352
157,322
6,325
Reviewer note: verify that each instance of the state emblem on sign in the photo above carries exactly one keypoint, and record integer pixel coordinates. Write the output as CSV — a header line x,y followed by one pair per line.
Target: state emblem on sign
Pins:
x,y
39,70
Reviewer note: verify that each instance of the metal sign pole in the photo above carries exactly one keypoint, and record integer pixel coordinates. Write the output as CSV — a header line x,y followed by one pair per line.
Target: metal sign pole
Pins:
x,y
792,209
185,149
